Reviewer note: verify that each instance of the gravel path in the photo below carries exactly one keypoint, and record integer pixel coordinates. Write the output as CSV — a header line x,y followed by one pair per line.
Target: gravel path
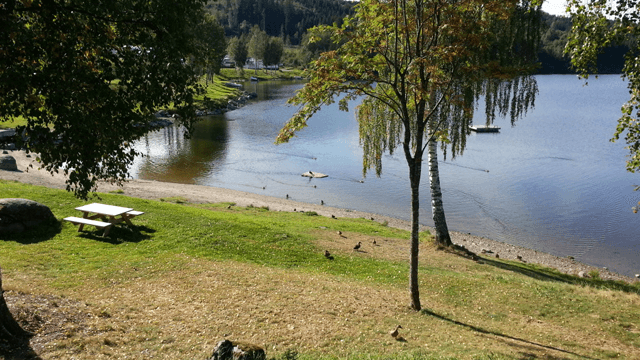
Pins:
x,y
206,194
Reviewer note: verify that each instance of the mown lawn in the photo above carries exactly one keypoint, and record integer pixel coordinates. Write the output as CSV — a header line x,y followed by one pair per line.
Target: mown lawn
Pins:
x,y
189,275
283,73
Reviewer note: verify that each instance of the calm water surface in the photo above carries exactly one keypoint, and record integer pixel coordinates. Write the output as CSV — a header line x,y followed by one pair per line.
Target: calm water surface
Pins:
x,y
553,182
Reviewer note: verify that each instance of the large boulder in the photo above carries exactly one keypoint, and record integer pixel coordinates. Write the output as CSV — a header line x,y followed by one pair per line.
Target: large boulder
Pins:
x,y
17,215
227,350
8,162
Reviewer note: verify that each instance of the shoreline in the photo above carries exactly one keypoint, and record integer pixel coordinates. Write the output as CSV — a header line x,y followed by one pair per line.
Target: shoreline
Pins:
x,y
149,189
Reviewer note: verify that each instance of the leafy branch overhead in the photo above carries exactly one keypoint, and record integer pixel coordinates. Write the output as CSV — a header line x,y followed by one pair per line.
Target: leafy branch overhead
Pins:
x,y
88,75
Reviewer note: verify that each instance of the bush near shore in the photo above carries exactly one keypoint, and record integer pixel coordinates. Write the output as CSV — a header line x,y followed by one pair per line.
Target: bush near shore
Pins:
x,y
188,275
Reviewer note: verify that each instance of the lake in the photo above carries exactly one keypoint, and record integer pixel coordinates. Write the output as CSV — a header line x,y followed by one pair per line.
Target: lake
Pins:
x,y
553,182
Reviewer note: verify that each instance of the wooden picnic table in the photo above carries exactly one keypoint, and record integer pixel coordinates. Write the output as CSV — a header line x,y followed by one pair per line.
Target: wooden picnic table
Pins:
x,y
109,214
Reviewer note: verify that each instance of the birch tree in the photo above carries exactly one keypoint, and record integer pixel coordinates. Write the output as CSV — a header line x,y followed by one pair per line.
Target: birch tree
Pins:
x,y
422,66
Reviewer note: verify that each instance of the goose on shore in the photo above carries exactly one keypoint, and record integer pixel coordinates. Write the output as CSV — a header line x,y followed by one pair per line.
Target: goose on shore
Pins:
x,y
395,332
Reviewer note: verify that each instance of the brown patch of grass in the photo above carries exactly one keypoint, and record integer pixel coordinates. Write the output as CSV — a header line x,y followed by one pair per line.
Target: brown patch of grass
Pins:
x,y
184,313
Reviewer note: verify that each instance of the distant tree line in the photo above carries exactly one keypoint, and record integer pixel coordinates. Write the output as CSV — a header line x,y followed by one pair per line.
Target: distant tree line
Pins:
x,y
287,19
290,19
554,38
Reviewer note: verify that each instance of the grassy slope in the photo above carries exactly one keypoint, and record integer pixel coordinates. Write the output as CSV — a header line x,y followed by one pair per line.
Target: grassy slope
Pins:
x,y
271,263
216,92
13,123
283,73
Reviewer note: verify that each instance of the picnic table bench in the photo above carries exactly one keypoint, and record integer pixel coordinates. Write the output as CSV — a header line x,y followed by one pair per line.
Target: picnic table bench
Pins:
x,y
110,215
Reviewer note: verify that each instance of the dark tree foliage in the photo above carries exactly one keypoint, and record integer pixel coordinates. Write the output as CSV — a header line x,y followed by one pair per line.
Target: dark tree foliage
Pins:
x,y
555,34
87,76
238,50
213,46
288,19
273,51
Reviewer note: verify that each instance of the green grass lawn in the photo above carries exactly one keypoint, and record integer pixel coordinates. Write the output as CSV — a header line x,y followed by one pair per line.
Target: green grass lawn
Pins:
x,y
187,274
19,121
283,73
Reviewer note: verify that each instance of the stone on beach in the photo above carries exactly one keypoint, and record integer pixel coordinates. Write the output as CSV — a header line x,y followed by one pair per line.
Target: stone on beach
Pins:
x,y
17,215
8,162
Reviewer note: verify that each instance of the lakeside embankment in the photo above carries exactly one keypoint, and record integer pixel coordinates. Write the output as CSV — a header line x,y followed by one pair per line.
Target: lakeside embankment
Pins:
x,y
206,194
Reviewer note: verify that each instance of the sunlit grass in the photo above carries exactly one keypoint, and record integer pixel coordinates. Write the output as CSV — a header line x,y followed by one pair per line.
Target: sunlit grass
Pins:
x,y
10,124
283,73
226,261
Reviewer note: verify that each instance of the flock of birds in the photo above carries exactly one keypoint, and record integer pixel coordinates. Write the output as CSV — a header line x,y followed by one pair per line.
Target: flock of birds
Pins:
x,y
357,247
395,332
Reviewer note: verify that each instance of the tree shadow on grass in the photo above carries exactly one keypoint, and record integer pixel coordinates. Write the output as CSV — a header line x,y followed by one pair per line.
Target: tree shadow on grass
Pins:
x,y
526,343
47,230
121,234
17,349
545,273
14,339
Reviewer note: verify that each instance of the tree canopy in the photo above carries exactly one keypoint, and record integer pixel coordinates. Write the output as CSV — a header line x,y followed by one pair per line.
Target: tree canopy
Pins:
x,y
258,40
237,48
273,51
87,76
213,45
597,25
422,66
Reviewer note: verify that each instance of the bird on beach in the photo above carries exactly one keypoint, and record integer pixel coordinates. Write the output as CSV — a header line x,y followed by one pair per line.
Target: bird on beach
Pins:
x,y
321,202
357,247
395,332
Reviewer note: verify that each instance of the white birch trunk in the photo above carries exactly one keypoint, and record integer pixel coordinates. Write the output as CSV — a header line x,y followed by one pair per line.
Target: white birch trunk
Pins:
x,y
437,209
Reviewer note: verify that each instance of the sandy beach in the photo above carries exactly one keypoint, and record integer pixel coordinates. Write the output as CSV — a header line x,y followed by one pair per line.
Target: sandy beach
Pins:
x,y
207,194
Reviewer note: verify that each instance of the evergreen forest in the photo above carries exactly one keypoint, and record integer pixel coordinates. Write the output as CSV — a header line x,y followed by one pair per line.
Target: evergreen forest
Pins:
x,y
554,38
288,19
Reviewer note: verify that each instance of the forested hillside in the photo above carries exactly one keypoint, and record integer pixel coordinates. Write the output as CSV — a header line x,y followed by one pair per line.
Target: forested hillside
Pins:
x,y
554,39
288,19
